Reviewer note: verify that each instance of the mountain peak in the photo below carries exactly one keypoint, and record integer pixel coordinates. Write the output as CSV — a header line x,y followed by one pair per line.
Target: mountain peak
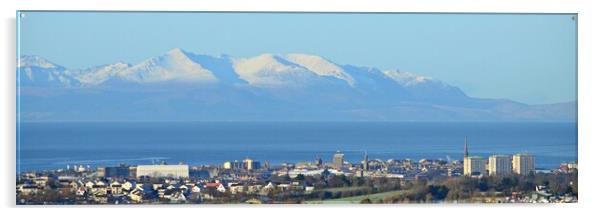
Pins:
x,y
177,51
36,61
175,65
270,70
320,66
406,78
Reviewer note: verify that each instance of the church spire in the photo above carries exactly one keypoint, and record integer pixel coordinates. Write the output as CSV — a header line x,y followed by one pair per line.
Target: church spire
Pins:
x,y
365,162
465,146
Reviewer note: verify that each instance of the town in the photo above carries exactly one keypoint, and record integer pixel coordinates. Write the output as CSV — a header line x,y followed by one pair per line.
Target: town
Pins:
x,y
500,179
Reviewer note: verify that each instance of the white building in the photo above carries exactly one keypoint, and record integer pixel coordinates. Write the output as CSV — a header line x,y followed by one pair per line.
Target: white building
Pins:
x,y
500,165
338,159
523,164
155,171
474,165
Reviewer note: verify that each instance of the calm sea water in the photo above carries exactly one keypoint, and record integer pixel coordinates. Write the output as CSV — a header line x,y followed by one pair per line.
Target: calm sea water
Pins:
x,y
55,145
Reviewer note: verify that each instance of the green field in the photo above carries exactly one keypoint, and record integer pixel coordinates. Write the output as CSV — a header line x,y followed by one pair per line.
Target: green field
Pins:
x,y
356,199
343,189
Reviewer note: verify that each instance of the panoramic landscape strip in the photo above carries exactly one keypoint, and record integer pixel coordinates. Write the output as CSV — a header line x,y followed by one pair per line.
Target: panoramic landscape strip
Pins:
x,y
295,108
496,179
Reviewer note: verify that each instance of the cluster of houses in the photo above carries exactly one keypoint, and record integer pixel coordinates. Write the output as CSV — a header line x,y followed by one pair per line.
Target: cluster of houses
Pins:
x,y
179,183
542,194
392,168
123,191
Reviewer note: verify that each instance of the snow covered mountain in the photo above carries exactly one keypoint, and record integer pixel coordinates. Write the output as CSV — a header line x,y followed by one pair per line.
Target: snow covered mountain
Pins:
x,y
181,85
265,70
175,65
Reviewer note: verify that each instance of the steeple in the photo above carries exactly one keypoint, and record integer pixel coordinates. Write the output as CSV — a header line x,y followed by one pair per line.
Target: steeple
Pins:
x,y
318,161
465,147
365,162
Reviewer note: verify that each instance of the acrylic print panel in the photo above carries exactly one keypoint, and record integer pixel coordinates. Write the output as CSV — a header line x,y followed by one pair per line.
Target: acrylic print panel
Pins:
x,y
328,108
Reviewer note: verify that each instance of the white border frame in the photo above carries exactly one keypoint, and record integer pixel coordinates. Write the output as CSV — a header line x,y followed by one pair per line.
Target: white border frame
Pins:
x,y
588,85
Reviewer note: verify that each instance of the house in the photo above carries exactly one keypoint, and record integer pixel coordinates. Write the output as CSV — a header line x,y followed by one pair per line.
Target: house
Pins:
x,y
137,195
81,191
184,188
116,187
27,189
284,187
74,185
89,184
217,185
99,196
267,189
41,181
269,186
157,186
254,188
221,188
180,198
196,189
170,187
234,189
166,193
100,183
128,186
99,189
175,196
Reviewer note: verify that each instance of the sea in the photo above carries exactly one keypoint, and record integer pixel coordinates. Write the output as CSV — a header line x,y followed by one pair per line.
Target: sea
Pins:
x,y
55,145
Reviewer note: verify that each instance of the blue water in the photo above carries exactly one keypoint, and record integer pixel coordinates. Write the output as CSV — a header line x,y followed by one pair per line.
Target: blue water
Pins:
x,y
44,146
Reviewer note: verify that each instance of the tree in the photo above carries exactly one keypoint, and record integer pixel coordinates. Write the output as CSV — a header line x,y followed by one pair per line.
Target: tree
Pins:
x,y
300,177
325,195
325,174
428,198
438,192
483,184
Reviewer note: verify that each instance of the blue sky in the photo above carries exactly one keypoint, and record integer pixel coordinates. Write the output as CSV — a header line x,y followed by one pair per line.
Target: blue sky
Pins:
x,y
527,58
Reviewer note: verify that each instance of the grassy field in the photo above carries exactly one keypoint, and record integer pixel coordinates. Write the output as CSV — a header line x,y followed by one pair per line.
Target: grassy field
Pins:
x,y
356,199
343,189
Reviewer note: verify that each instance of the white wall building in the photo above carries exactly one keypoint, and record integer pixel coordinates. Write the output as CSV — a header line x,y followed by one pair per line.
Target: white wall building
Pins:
x,y
156,171
523,164
474,165
500,165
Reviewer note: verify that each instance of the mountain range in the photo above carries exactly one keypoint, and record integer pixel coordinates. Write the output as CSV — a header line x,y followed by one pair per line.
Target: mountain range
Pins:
x,y
184,86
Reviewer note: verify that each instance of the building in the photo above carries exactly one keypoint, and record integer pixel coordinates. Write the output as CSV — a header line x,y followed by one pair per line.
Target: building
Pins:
x,y
523,164
318,161
235,165
157,171
133,171
500,165
474,165
249,164
227,165
100,171
121,171
338,160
